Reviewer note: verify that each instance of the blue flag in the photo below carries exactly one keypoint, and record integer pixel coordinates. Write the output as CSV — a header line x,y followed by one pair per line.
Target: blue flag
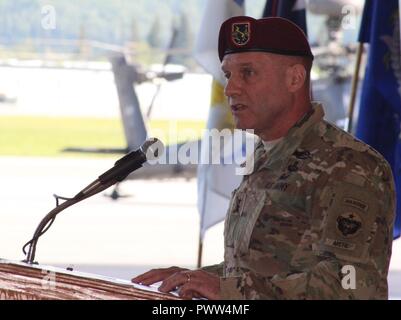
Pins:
x,y
293,10
379,117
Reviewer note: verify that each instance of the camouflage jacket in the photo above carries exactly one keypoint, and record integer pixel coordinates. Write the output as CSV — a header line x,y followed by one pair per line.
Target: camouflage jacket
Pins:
x,y
313,220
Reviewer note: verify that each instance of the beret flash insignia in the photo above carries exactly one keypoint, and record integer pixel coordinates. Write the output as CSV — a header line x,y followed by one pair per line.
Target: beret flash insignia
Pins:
x,y
241,33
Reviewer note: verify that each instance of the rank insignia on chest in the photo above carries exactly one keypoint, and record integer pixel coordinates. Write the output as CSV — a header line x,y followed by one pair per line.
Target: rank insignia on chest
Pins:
x,y
241,33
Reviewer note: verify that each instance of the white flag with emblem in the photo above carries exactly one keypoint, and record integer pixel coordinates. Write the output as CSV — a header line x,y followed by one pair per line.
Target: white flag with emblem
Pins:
x,y
215,181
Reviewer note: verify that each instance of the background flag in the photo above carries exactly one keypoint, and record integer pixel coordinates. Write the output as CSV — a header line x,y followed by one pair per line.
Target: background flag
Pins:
x,y
379,117
215,182
293,10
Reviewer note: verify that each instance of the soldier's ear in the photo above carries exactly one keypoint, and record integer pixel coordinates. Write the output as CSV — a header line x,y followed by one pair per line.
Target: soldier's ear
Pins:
x,y
296,77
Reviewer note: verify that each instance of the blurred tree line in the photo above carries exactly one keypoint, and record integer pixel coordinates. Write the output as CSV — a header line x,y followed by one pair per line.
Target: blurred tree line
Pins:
x,y
144,26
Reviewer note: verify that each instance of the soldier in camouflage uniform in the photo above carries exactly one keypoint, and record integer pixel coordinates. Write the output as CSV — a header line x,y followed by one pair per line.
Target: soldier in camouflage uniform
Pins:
x,y
317,201
314,218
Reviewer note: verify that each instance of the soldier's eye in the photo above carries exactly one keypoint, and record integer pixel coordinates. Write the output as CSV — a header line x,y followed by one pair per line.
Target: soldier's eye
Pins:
x,y
248,72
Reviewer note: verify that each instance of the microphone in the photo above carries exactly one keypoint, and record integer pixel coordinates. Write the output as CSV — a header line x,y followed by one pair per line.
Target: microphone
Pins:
x,y
151,149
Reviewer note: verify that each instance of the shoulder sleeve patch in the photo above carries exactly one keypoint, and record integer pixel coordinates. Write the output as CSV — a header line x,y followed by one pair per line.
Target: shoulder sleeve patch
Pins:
x,y
348,225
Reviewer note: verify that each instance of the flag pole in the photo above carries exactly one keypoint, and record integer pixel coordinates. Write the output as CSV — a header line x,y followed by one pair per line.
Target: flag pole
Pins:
x,y
200,250
355,81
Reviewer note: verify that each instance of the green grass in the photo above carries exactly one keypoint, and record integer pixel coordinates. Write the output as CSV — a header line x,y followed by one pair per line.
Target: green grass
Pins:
x,y
47,136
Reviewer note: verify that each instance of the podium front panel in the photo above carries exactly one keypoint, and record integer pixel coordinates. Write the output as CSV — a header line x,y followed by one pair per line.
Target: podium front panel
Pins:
x,y
32,282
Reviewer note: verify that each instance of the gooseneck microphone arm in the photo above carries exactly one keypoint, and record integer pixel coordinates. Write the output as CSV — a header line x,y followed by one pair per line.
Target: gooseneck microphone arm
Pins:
x,y
47,221
151,149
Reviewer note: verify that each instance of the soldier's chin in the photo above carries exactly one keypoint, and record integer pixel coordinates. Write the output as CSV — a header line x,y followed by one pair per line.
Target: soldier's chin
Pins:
x,y
240,124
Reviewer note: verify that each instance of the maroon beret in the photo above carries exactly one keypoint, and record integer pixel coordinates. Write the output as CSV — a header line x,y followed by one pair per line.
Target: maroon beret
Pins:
x,y
274,35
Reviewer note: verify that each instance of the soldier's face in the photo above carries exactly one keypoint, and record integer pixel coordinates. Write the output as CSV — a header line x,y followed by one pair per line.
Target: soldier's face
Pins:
x,y
256,90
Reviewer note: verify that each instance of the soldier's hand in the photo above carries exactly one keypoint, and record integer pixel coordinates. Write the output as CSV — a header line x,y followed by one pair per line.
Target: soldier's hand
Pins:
x,y
192,284
156,275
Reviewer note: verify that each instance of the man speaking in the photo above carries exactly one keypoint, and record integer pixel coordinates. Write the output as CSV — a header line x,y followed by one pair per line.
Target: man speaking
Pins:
x,y
314,218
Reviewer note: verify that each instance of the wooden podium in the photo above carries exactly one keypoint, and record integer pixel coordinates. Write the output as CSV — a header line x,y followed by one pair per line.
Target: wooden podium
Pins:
x,y
21,281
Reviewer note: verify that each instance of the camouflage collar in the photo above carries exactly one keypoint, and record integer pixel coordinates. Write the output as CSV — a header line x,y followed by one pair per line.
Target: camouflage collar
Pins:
x,y
291,141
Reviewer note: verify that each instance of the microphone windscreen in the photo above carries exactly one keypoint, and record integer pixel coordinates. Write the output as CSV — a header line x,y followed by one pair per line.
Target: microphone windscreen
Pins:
x,y
153,148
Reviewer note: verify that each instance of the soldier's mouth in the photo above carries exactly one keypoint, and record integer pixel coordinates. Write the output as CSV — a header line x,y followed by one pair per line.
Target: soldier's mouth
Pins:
x,y
238,107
